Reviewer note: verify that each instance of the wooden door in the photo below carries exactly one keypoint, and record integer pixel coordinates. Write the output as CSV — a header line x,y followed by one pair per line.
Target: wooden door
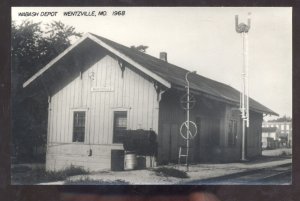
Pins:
x,y
209,138
174,142
168,143
164,144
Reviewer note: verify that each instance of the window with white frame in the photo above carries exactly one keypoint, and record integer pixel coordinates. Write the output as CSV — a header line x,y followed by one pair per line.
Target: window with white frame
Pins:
x,y
120,126
79,118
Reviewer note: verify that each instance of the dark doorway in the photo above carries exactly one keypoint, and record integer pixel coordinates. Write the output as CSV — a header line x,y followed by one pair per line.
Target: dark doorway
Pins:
x,y
208,140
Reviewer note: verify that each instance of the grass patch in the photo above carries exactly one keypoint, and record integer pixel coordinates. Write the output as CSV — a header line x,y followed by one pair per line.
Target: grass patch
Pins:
x,y
39,174
88,181
285,153
170,172
59,175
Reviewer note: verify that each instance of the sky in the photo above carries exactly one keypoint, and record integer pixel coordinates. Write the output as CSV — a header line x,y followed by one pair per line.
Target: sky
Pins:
x,y
202,39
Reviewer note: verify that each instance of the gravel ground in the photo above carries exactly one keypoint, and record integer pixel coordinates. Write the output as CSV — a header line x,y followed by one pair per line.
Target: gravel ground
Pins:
x,y
200,171
270,158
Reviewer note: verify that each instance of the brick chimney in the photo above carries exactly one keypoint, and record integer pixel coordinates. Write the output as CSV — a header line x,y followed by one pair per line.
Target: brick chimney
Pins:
x,y
163,56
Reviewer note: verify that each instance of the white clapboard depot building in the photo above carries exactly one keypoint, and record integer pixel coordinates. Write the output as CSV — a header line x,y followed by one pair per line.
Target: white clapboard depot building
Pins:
x,y
98,88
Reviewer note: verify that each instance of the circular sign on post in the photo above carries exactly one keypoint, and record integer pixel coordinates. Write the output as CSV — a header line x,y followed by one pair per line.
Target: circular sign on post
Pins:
x,y
184,101
188,133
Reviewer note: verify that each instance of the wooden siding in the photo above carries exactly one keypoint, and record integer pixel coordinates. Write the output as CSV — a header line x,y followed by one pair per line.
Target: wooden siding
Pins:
x,y
171,116
63,155
212,118
254,146
136,94
253,136
132,93
232,152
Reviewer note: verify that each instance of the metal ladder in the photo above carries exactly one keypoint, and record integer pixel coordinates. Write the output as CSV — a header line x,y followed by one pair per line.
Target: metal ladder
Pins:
x,y
181,154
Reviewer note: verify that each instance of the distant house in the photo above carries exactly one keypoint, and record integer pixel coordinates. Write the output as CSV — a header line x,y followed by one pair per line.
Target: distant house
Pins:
x,y
270,137
285,131
98,88
271,132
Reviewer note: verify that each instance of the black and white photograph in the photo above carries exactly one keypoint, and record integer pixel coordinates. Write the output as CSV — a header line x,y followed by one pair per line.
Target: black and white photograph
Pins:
x,y
151,96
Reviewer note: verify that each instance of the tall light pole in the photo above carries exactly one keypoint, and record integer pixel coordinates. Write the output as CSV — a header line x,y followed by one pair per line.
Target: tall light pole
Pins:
x,y
188,119
244,98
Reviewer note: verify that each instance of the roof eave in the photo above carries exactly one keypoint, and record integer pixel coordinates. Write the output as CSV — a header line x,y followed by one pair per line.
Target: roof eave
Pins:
x,y
53,61
225,100
107,47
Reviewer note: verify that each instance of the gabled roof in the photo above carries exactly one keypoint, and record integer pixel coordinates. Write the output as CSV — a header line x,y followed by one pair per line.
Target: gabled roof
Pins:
x,y
165,73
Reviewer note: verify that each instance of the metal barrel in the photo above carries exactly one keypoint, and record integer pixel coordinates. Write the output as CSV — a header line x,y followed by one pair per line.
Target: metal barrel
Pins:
x,y
130,161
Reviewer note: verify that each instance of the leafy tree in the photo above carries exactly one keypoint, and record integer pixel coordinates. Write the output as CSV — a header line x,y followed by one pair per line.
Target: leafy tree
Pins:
x,y
32,48
141,48
282,119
